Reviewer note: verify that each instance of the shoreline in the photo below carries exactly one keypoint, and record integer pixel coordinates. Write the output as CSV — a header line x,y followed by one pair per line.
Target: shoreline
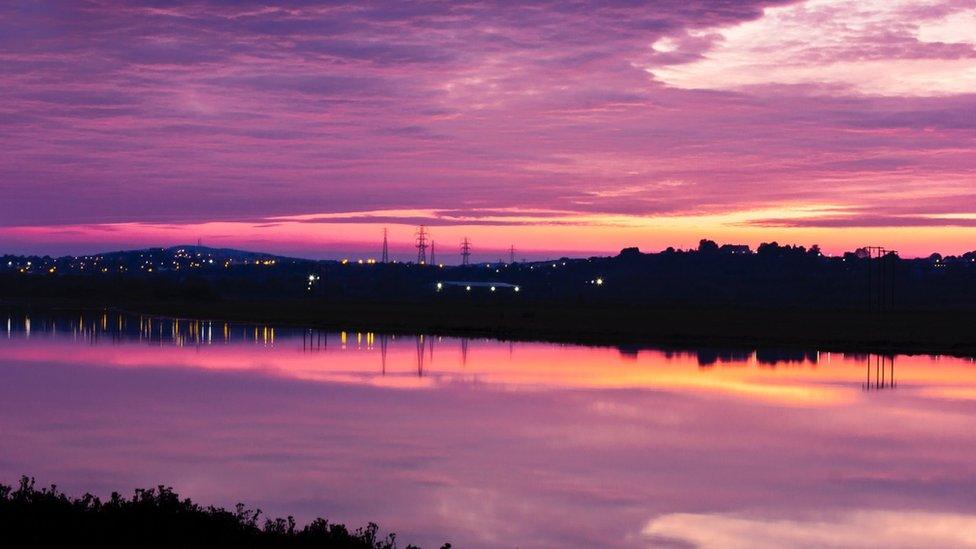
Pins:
x,y
631,328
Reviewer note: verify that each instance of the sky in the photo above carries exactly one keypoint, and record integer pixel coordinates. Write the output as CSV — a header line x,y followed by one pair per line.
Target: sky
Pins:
x,y
562,128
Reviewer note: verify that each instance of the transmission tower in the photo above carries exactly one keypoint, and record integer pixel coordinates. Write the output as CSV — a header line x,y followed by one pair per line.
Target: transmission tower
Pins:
x,y
465,251
422,245
511,253
433,256
386,249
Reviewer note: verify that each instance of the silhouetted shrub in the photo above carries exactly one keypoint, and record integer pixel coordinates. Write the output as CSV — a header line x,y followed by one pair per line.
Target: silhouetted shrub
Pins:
x,y
157,517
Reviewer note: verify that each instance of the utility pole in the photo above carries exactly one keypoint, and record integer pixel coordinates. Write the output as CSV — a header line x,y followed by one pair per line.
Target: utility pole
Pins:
x,y
386,248
422,245
465,251
881,278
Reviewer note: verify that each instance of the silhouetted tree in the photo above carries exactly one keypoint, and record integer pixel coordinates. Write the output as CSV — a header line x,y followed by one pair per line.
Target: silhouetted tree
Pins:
x,y
706,246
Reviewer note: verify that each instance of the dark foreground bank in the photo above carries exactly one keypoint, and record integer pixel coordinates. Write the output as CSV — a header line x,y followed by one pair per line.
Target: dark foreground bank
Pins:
x,y
632,327
157,517
715,296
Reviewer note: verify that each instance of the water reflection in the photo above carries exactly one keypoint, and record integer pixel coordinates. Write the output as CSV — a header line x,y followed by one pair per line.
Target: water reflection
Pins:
x,y
497,444
114,327
884,372
118,327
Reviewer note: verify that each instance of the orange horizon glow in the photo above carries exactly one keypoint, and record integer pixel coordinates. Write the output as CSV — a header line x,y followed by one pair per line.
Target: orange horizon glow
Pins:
x,y
535,237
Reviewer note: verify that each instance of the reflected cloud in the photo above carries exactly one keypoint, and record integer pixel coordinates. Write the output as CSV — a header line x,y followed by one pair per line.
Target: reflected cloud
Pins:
x,y
842,529
781,377
492,443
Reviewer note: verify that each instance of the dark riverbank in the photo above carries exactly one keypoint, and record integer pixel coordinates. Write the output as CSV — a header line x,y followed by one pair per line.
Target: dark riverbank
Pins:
x,y
778,296
910,332
158,517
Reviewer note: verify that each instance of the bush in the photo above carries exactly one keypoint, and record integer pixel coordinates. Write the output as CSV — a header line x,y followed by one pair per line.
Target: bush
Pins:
x,y
157,517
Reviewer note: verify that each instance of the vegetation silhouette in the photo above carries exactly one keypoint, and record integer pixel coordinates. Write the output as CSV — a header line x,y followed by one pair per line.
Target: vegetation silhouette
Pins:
x,y
711,276
716,295
158,517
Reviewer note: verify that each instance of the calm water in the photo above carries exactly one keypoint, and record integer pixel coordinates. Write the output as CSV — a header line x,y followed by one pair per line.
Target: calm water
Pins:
x,y
492,444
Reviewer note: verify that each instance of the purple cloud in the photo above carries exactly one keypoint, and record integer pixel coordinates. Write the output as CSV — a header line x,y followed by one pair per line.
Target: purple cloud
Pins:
x,y
136,112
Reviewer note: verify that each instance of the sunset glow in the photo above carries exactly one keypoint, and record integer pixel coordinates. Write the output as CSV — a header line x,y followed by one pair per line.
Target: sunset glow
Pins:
x,y
565,129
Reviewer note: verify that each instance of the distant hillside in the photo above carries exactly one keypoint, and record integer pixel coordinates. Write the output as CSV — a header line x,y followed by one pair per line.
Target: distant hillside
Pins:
x,y
201,251
178,259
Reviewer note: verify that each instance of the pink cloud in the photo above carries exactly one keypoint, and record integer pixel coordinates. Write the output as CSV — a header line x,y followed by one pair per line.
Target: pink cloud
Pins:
x,y
126,113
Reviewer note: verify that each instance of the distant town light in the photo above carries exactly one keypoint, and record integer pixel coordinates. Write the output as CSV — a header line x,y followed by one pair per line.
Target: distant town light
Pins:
x,y
493,288
467,288
517,289
440,286
599,282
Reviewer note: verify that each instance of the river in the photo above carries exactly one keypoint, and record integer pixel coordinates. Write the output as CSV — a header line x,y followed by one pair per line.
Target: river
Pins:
x,y
488,443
